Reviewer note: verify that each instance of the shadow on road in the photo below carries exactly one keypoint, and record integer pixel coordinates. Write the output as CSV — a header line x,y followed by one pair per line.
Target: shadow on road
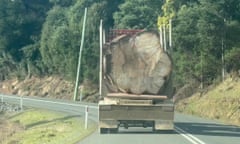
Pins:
x,y
148,132
210,129
140,131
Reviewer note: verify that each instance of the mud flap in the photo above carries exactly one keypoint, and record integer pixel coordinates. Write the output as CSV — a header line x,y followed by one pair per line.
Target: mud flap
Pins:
x,y
163,125
108,124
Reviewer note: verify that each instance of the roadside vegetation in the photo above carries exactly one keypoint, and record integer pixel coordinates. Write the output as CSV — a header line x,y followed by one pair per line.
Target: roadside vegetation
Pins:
x,y
42,37
37,126
221,102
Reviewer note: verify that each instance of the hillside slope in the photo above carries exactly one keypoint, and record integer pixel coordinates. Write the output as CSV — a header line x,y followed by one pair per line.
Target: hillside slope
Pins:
x,y
48,87
221,102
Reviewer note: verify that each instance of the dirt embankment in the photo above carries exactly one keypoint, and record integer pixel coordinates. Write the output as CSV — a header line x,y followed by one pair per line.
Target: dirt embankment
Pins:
x,y
49,87
221,102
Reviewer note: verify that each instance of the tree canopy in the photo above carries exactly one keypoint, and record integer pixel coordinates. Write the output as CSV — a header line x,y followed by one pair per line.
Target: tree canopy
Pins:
x,y
42,37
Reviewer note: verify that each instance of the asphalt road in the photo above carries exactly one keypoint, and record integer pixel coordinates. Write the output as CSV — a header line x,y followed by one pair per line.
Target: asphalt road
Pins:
x,y
188,129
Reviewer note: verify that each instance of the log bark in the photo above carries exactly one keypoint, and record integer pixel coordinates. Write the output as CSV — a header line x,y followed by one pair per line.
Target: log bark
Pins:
x,y
137,64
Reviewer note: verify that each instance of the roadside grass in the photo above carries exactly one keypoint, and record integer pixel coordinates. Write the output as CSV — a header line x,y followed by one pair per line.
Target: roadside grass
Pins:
x,y
47,127
221,103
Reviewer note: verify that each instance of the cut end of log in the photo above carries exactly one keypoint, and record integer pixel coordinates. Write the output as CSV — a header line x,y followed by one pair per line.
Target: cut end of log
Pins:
x,y
137,65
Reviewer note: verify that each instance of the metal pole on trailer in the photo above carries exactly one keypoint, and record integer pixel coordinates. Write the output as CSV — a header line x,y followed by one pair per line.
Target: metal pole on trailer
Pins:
x,y
161,36
170,34
101,60
164,38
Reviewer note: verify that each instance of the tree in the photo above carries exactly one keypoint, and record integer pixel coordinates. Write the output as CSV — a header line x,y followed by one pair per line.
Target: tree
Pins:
x,y
61,36
138,14
232,58
186,51
55,41
198,31
20,26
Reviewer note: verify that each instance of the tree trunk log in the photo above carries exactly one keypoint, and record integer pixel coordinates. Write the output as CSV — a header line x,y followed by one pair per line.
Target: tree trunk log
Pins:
x,y
137,64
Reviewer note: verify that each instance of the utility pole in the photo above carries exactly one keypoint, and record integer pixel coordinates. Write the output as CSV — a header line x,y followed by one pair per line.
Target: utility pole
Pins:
x,y
79,58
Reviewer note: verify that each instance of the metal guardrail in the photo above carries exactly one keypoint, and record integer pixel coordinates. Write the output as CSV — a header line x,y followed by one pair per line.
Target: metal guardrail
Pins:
x,y
52,101
20,99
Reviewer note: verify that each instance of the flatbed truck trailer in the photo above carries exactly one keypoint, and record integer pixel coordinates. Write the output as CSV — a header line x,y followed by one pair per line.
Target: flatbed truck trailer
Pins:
x,y
129,110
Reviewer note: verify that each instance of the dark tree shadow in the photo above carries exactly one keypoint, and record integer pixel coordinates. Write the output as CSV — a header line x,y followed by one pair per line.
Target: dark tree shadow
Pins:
x,y
49,121
209,129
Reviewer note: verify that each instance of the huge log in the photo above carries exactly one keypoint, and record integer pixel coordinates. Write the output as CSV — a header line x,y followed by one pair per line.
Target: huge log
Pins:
x,y
137,64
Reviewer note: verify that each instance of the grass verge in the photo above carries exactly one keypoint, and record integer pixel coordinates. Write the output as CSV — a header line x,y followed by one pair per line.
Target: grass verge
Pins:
x,y
221,103
46,127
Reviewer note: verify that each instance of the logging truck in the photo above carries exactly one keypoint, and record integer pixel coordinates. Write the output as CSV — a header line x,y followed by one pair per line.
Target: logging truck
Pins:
x,y
136,85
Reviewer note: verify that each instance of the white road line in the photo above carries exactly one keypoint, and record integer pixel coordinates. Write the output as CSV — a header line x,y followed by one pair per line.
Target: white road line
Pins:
x,y
188,136
185,136
183,133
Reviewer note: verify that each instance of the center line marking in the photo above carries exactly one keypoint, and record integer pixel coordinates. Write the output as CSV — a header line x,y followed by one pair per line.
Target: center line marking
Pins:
x,y
188,136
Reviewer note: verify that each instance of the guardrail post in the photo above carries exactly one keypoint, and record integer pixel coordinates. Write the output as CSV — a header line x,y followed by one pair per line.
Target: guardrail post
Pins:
x,y
86,117
81,93
21,103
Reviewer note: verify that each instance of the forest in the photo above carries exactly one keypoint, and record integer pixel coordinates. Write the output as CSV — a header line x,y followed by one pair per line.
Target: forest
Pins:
x,y
42,37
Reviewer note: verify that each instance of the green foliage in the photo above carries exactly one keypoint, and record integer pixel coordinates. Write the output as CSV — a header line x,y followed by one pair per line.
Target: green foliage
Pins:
x,y
232,59
12,18
20,26
44,126
232,32
63,3
137,14
32,63
55,40
61,35
199,29
43,36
